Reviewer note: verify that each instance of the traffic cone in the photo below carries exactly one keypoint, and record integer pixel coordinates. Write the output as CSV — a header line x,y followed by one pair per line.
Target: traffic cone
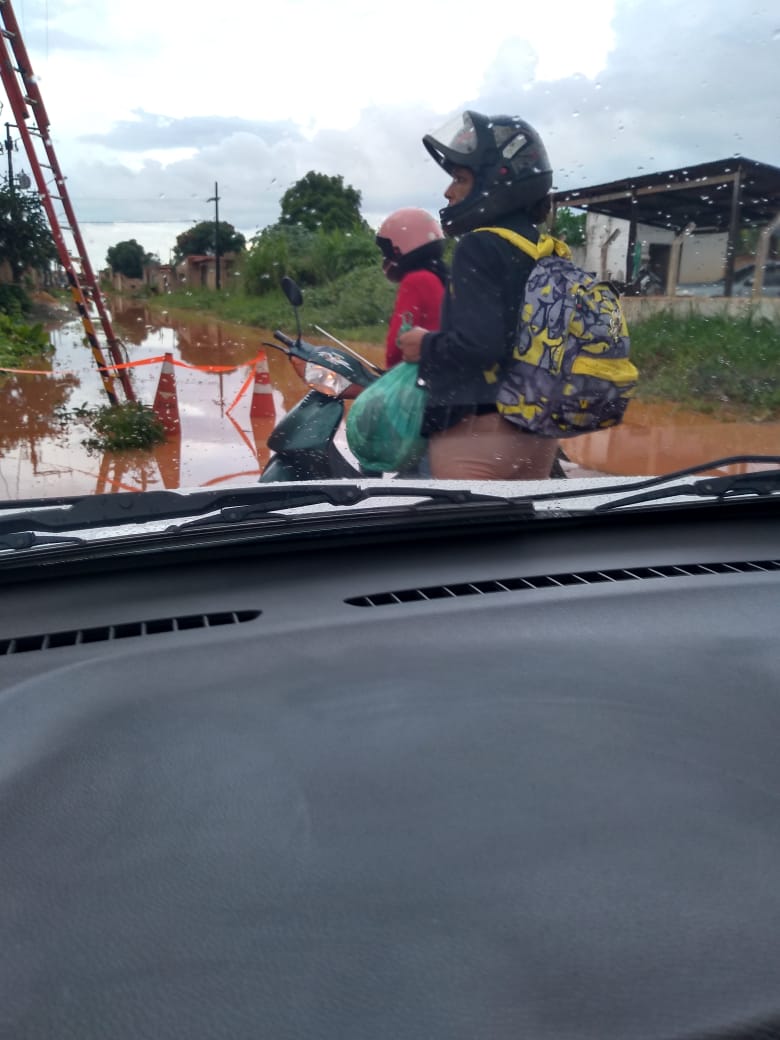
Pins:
x,y
168,457
262,406
166,404
262,428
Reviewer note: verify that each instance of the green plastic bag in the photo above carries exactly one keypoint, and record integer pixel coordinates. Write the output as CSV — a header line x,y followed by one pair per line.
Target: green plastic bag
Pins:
x,y
383,425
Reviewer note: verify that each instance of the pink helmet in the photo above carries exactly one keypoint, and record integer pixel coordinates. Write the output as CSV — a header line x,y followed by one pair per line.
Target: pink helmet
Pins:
x,y
409,238
407,230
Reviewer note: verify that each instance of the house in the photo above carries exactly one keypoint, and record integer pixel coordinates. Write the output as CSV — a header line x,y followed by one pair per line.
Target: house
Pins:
x,y
200,271
159,278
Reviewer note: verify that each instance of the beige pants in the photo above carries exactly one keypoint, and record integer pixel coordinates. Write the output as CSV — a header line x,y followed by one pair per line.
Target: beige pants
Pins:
x,y
488,447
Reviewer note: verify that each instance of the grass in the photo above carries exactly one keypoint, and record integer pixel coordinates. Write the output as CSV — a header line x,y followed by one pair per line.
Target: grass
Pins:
x,y
710,364
355,306
21,344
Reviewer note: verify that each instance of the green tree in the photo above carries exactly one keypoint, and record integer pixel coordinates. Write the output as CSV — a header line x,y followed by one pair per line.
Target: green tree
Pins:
x,y
25,237
199,240
318,201
128,258
570,226
310,257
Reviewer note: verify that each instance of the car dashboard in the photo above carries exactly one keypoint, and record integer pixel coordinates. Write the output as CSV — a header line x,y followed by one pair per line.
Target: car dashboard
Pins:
x,y
521,782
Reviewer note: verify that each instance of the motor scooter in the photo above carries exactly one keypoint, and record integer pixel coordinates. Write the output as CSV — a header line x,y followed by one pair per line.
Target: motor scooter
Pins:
x,y
303,441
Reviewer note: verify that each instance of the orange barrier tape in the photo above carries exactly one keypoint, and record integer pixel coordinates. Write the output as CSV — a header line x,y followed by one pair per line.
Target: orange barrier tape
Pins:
x,y
243,436
36,371
179,364
132,364
249,379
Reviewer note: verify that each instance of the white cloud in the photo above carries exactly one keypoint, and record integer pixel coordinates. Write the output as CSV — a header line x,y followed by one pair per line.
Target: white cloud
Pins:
x,y
151,103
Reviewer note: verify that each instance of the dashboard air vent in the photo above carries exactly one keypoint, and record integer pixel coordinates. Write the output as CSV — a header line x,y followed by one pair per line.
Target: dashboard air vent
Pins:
x,y
546,581
126,630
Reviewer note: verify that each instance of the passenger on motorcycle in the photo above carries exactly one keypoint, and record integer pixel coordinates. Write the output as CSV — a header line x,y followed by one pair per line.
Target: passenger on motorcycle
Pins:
x,y
412,244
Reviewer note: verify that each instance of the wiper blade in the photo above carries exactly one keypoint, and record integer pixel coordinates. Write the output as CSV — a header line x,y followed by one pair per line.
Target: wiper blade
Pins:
x,y
432,498
762,483
600,491
233,505
30,539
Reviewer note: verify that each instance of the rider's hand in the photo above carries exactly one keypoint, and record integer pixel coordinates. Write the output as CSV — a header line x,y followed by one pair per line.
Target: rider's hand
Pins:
x,y
409,343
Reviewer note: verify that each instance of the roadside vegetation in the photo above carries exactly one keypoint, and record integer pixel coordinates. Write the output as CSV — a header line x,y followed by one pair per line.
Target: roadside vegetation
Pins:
x,y
21,344
119,427
711,364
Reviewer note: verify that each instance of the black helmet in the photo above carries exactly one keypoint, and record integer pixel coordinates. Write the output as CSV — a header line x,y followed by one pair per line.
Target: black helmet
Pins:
x,y
509,161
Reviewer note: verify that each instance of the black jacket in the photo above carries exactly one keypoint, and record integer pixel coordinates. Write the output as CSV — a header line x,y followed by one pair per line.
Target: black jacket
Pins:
x,y
461,364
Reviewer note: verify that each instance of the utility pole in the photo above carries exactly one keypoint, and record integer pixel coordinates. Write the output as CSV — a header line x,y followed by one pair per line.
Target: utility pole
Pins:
x,y
215,200
9,147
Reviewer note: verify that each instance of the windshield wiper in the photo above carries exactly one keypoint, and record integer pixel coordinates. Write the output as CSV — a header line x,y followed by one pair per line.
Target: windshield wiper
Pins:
x,y
739,484
28,539
91,511
762,483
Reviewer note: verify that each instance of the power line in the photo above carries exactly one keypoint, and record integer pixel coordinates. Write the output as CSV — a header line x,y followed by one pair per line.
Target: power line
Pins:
x,y
129,220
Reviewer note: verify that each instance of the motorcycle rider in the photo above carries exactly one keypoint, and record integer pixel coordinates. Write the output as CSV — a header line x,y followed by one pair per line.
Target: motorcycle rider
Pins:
x,y
412,245
501,177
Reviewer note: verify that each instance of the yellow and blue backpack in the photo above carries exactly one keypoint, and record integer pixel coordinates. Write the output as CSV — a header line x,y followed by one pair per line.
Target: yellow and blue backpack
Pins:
x,y
570,371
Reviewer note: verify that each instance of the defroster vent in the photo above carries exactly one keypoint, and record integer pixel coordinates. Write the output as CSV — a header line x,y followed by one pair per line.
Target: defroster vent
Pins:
x,y
126,630
546,581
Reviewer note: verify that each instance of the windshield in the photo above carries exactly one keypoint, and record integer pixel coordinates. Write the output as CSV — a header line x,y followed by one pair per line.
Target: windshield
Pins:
x,y
162,178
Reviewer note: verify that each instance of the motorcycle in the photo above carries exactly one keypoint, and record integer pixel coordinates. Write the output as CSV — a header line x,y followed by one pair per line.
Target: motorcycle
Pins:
x,y
303,441
645,283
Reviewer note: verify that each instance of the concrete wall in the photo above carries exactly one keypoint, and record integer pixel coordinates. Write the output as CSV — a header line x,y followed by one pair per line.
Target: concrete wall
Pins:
x,y
640,308
703,256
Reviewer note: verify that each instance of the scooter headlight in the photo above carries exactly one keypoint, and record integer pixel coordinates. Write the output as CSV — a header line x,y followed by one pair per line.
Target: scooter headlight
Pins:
x,y
325,380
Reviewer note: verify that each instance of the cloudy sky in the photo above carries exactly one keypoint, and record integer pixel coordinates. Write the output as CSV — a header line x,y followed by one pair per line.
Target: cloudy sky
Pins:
x,y
153,102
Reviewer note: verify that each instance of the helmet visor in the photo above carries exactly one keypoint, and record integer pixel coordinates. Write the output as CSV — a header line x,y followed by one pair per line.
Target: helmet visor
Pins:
x,y
457,138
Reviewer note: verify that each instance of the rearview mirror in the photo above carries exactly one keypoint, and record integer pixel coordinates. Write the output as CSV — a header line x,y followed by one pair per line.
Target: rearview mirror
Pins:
x,y
292,292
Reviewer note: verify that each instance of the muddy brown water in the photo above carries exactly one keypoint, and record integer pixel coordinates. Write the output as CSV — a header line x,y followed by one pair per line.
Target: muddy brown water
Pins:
x,y
40,456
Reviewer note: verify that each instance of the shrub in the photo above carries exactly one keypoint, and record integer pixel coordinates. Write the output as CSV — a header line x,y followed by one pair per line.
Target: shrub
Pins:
x,y
122,426
14,301
312,258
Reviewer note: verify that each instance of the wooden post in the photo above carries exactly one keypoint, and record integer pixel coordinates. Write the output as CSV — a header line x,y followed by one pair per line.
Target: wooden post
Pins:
x,y
733,240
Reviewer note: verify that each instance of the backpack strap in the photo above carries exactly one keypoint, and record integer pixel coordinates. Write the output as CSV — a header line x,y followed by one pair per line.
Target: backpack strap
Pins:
x,y
546,246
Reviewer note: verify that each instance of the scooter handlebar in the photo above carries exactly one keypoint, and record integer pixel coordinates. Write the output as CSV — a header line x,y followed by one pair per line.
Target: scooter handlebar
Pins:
x,y
284,339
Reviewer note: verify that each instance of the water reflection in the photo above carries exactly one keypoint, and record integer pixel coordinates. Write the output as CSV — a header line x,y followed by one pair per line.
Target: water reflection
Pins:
x,y
221,444
658,438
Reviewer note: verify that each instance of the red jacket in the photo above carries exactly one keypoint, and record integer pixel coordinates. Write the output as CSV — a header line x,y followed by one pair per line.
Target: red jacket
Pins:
x,y
420,295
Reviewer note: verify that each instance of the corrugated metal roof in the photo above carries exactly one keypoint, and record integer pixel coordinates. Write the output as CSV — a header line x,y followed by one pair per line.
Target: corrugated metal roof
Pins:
x,y
700,194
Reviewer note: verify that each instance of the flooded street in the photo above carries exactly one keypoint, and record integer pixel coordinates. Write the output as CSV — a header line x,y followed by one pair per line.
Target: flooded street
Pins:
x,y
42,456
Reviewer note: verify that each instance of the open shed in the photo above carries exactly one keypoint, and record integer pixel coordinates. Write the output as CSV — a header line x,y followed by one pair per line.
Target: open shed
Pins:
x,y
726,195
